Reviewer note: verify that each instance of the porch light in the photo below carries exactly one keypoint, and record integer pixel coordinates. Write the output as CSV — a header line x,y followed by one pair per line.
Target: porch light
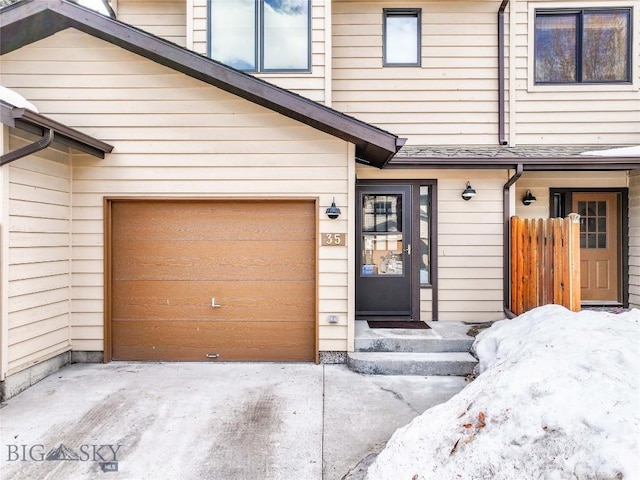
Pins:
x,y
469,192
528,199
333,212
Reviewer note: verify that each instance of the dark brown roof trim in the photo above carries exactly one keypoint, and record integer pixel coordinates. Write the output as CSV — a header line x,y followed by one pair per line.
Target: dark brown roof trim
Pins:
x,y
39,125
529,164
29,21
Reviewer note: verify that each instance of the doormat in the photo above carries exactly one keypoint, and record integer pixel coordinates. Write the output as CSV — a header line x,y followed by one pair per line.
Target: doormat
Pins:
x,y
396,324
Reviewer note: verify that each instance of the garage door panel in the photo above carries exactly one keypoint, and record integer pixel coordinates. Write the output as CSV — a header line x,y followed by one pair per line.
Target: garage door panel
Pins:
x,y
191,300
170,258
261,221
164,260
180,341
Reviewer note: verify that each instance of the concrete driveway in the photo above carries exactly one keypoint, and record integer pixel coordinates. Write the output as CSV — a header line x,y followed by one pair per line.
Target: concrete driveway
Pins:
x,y
207,421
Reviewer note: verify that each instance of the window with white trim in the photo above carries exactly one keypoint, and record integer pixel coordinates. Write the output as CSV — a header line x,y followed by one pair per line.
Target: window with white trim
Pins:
x,y
261,35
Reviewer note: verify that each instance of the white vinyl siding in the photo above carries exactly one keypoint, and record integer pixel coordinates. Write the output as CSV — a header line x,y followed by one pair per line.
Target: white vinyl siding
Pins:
x,y
451,98
39,236
569,114
634,239
163,18
470,243
308,84
176,136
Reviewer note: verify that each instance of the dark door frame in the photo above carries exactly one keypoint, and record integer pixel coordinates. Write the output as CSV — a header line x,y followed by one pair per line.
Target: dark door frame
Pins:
x,y
562,199
415,240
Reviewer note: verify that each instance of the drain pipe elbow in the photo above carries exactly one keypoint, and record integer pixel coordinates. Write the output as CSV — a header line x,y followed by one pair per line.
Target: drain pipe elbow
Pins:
x,y
44,142
506,242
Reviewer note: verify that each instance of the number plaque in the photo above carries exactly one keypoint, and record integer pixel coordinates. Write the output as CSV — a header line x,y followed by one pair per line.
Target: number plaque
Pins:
x,y
333,239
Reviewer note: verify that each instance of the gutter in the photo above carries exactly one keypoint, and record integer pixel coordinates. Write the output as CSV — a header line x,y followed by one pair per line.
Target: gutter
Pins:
x,y
49,130
543,164
506,243
501,76
44,142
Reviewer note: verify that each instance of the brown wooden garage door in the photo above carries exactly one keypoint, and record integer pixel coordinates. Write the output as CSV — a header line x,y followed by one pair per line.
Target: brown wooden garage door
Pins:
x,y
170,258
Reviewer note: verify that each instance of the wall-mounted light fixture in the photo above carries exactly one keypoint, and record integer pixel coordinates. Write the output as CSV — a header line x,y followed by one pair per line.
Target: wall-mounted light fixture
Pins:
x,y
333,212
469,192
528,198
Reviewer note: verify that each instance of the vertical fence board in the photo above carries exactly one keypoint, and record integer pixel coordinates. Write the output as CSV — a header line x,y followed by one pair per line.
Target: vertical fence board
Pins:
x,y
557,261
545,263
574,254
516,267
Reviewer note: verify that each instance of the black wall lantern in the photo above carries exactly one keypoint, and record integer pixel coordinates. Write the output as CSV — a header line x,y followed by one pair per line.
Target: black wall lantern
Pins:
x,y
333,212
469,192
528,199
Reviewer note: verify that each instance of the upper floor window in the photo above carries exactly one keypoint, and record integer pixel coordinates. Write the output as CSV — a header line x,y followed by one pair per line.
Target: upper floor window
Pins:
x,y
401,37
261,35
583,46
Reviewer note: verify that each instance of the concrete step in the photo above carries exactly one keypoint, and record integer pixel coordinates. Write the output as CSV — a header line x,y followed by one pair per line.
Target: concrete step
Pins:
x,y
441,337
411,363
398,343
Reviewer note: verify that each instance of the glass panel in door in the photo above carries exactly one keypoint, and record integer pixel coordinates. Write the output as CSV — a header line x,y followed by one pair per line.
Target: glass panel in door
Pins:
x,y
382,240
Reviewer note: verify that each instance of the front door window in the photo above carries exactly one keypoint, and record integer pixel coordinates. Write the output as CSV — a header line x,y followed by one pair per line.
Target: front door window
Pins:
x,y
593,224
382,235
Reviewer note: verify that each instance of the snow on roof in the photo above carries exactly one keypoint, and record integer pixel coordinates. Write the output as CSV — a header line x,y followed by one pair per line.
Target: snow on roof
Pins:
x,y
556,398
15,99
615,152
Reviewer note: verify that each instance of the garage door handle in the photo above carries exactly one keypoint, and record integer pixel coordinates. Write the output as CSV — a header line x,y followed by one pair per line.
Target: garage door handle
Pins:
x,y
212,355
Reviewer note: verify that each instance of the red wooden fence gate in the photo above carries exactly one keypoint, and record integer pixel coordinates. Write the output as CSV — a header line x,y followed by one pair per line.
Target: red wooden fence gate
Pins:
x,y
545,263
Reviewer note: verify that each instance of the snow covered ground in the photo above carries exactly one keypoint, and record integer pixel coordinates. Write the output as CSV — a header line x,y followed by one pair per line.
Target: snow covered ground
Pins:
x,y
557,397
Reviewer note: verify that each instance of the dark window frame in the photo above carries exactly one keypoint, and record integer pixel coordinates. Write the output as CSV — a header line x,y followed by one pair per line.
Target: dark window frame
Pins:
x,y
579,48
402,12
259,41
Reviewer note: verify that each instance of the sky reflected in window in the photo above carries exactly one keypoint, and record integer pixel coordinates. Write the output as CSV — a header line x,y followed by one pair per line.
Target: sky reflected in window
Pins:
x,y
401,40
281,27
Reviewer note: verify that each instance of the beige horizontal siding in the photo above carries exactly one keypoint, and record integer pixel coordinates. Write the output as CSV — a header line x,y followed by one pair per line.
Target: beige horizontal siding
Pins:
x,y
634,239
469,243
570,114
164,18
308,84
540,182
450,99
180,138
38,236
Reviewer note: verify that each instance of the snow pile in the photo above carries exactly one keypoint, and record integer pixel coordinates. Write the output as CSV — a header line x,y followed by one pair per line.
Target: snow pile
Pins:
x,y
633,151
558,397
15,99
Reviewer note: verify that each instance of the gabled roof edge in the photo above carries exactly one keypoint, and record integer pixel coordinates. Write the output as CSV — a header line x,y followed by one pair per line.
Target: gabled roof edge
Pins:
x,y
29,21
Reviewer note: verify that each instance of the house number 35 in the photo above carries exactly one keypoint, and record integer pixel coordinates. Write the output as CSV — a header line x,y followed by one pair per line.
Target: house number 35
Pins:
x,y
333,239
